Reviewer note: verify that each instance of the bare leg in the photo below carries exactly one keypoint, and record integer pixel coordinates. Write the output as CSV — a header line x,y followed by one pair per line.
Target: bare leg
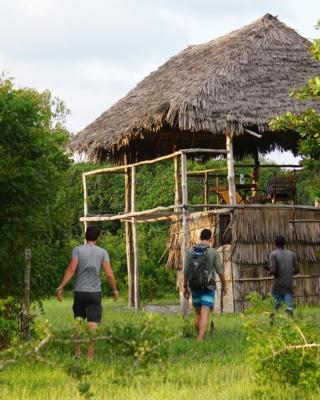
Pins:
x,y
197,319
91,347
204,320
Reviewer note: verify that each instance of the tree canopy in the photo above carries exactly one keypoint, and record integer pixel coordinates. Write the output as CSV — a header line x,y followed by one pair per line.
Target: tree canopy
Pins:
x,y
307,124
33,164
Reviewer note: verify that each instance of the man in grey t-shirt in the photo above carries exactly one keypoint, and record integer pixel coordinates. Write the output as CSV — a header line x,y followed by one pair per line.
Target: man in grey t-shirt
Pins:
x,y
283,265
86,263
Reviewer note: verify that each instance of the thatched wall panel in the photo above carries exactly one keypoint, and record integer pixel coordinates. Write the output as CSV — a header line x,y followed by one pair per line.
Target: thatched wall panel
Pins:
x,y
197,222
257,253
254,231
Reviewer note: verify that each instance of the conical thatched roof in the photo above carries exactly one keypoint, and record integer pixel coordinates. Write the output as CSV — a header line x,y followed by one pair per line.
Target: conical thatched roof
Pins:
x,y
240,80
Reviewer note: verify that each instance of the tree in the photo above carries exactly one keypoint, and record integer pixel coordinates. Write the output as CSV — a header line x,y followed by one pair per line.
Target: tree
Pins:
x,y
33,165
307,124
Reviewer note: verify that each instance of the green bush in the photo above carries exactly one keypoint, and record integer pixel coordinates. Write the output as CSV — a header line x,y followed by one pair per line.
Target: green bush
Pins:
x,y
10,321
284,350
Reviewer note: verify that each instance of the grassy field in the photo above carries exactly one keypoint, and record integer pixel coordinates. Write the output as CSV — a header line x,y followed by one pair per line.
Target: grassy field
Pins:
x,y
216,368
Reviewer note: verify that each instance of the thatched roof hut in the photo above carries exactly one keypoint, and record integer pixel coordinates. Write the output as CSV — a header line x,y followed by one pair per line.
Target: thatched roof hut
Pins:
x,y
238,81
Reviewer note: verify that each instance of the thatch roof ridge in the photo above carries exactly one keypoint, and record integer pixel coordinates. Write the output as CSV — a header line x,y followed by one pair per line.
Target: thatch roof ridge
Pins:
x,y
237,80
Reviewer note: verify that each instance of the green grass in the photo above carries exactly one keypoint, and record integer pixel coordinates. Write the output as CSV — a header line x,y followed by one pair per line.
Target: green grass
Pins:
x,y
216,368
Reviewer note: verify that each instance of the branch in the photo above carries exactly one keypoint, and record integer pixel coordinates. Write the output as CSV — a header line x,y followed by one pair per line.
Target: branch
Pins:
x,y
302,347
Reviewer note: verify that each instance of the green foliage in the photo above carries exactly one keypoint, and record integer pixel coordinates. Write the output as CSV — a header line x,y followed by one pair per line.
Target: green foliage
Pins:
x,y
10,311
284,350
218,365
32,170
307,124
137,344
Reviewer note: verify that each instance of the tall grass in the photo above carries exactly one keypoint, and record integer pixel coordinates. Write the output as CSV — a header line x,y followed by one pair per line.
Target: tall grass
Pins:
x,y
214,369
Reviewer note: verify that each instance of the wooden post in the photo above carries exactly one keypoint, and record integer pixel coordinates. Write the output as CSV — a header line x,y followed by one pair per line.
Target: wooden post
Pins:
x,y
26,297
255,175
177,183
128,233
85,199
217,184
230,163
135,239
177,202
185,223
206,190
236,286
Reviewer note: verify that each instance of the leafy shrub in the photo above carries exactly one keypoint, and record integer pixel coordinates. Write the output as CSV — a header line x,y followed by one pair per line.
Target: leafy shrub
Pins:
x,y
284,350
10,312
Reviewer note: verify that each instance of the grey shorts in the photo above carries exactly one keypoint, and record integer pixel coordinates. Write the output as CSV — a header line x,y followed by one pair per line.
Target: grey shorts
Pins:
x,y
87,305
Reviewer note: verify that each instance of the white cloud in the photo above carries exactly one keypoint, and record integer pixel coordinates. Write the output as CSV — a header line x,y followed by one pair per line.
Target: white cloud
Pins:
x,y
91,53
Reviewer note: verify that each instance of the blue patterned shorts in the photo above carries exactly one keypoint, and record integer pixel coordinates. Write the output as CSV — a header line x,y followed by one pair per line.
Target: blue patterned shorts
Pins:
x,y
203,298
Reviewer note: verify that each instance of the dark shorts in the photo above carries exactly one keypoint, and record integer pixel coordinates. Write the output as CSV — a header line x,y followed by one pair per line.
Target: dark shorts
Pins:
x,y
87,305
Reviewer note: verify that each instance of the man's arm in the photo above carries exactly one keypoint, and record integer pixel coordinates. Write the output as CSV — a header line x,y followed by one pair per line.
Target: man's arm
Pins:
x,y
71,269
273,268
110,279
223,283
220,271
186,291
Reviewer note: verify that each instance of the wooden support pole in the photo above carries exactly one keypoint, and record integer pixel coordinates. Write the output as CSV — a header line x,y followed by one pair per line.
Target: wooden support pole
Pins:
x,y
255,175
230,163
26,296
128,234
206,190
185,224
177,184
135,240
85,200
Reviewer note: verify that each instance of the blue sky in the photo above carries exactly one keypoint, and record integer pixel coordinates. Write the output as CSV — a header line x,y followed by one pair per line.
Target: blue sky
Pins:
x,y
91,53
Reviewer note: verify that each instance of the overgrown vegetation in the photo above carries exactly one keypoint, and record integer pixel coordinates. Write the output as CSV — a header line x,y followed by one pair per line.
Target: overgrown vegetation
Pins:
x,y
283,350
141,355
307,124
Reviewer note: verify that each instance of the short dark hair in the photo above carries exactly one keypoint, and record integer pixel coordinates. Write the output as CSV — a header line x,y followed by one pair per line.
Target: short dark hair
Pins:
x,y
205,234
280,241
92,233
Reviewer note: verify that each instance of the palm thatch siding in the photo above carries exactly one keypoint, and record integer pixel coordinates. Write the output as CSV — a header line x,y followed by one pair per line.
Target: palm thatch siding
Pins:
x,y
238,81
253,233
253,230
197,222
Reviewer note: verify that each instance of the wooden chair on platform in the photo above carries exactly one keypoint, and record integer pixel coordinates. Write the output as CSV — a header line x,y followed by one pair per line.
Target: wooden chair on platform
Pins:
x,y
224,197
282,188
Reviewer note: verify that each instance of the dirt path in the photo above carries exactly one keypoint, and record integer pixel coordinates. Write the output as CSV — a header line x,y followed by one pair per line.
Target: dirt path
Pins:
x,y
170,309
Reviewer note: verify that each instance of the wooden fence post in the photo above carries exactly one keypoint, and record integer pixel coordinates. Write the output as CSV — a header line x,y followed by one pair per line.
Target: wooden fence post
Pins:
x,y
230,163
135,239
26,295
206,190
185,223
128,233
177,184
85,199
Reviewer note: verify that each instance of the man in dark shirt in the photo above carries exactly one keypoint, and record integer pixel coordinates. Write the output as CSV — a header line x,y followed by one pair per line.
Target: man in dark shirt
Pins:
x,y
283,265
